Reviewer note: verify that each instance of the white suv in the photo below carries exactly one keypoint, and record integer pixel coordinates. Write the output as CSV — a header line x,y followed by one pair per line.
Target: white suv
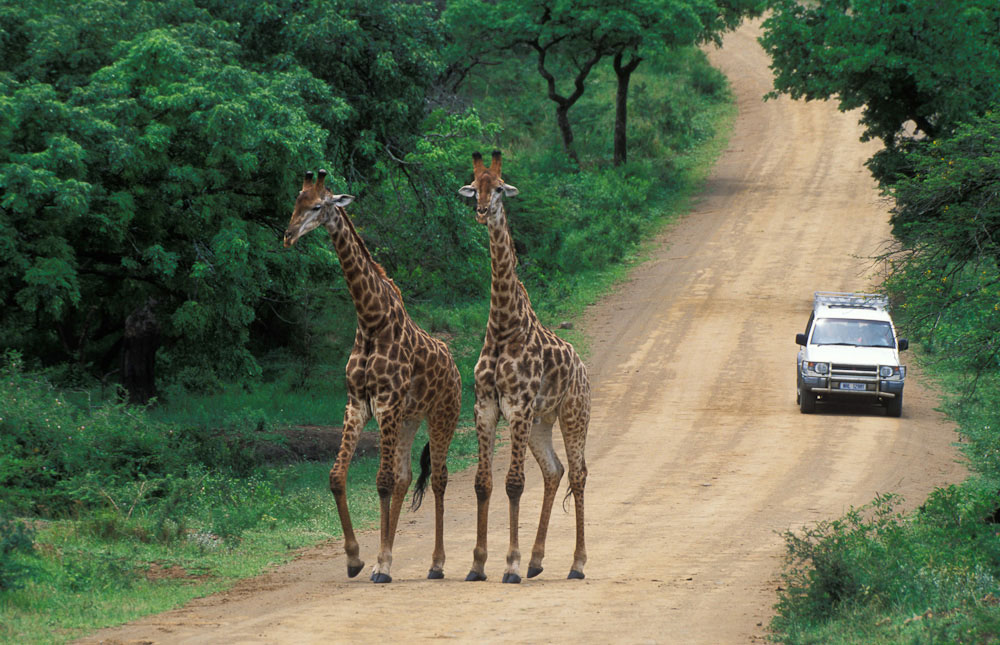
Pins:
x,y
849,350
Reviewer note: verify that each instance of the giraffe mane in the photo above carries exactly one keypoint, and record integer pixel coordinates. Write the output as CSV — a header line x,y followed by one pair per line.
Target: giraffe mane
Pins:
x,y
524,292
364,250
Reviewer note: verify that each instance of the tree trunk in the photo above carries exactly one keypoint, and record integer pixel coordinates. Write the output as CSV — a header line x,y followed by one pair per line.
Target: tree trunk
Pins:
x,y
564,103
139,345
562,119
624,74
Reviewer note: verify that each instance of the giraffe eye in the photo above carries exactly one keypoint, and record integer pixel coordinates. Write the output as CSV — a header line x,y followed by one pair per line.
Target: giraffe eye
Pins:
x,y
499,189
316,207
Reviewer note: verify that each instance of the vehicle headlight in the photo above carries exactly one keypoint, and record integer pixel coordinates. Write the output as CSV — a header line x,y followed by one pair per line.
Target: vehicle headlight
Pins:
x,y
891,371
819,368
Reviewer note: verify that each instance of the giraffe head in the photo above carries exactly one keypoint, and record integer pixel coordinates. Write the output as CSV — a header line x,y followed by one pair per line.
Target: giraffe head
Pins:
x,y
314,206
487,187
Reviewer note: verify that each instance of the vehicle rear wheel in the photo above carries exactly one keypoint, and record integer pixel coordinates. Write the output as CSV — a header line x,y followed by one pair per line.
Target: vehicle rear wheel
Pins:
x,y
807,401
894,406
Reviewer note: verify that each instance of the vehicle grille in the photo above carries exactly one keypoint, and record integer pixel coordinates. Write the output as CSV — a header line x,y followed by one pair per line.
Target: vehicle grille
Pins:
x,y
860,372
853,374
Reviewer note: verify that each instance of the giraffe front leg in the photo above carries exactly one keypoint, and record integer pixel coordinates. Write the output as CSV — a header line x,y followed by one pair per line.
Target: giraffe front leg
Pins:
x,y
356,415
487,413
520,426
403,477
440,429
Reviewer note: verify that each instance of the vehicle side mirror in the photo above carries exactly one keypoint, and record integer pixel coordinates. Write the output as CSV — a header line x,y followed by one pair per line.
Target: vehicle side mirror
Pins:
x,y
903,344
800,339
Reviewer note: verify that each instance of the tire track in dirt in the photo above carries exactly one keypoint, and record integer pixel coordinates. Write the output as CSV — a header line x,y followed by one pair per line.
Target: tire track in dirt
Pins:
x,y
698,455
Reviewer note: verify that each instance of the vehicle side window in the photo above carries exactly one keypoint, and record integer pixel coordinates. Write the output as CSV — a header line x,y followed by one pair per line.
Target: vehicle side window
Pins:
x,y
809,325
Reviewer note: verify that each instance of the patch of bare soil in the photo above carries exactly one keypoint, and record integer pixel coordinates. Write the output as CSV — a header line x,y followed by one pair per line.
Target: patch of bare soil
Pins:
x,y
698,455
314,443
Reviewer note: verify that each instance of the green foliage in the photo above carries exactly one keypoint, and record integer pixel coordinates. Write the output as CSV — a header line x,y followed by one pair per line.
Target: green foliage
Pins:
x,y
381,58
16,543
931,576
139,160
948,200
567,39
56,457
946,273
413,222
934,64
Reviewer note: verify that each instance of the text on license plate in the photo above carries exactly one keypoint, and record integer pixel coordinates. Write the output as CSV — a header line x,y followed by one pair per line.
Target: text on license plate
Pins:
x,y
853,386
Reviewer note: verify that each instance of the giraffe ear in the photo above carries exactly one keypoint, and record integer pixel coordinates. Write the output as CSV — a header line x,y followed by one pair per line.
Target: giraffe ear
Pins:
x,y
510,190
467,191
341,200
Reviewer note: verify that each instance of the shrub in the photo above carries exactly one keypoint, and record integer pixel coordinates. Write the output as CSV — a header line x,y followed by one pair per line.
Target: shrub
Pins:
x,y
16,546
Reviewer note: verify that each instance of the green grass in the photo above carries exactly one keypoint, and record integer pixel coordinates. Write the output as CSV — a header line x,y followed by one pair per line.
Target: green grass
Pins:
x,y
111,566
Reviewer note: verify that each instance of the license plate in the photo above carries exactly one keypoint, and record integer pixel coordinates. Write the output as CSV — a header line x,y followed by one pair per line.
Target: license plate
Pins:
x,y
860,387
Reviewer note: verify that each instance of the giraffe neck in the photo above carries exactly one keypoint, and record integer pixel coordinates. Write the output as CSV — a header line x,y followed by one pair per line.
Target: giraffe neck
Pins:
x,y
509,306
373,293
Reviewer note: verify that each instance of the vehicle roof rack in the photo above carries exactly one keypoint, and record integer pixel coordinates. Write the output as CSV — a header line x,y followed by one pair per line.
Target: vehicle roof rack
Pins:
x,y
846,300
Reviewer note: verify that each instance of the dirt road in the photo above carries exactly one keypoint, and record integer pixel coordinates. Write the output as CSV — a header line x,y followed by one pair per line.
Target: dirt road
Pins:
x,y
698,455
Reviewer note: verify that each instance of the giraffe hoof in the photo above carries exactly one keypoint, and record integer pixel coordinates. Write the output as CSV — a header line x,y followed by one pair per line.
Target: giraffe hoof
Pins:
x,y
511,578
354,571
475,577
575,575
435,575
381,578
534,571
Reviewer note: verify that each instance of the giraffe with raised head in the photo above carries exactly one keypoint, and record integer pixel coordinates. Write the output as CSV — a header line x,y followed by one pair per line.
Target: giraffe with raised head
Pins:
x,y
530,376
397,373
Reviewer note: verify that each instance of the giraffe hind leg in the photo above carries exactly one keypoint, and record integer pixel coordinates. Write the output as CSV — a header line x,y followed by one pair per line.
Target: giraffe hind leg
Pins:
x,y
440,429
540,442
574,429
393,480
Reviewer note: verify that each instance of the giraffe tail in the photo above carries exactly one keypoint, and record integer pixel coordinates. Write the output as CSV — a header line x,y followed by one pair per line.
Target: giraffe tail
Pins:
x,y
425,474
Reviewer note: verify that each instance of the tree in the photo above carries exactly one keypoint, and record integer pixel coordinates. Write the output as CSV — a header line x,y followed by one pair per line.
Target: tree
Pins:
x,y
154,172
571,38
929,64
151,151
947,220
565,38
381,59
635,28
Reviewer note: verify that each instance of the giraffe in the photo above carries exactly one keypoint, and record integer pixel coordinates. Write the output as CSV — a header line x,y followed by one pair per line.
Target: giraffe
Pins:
x,y
530,376
396,372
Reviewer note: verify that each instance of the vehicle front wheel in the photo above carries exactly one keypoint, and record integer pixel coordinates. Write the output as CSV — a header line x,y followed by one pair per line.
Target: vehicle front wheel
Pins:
x,y
894,406
807,401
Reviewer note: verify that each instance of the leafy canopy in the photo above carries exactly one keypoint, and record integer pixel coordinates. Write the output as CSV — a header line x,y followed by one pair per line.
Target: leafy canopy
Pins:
x,y
147,153
929,64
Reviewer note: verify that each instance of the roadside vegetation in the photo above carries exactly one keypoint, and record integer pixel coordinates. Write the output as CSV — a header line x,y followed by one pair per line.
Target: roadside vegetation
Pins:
x,y
158,347
927,79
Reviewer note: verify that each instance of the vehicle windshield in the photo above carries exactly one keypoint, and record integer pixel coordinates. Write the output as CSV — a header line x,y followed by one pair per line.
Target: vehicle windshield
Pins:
x,y
861,333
